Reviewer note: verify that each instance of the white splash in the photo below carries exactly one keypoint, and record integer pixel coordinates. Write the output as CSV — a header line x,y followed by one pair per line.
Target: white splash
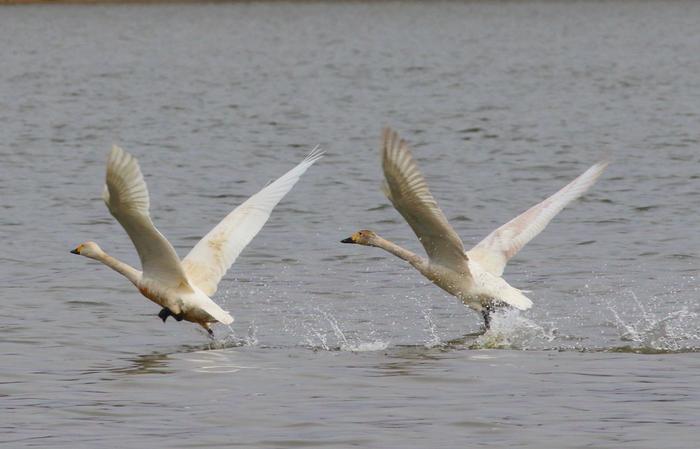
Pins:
x,y
252,338
432,329
369,346
510,330
318,337
658,332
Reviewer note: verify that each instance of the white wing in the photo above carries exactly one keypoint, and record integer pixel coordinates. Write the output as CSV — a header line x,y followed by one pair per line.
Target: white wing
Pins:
x,y
502,244
406,188
209,260
126,197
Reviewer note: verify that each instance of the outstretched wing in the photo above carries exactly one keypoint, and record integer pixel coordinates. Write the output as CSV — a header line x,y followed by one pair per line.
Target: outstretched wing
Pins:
x,y
209,260
502,244
126,197
406,188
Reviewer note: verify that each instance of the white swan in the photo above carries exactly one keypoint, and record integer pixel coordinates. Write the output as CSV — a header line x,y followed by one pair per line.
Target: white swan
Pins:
x,y
473,276
182,289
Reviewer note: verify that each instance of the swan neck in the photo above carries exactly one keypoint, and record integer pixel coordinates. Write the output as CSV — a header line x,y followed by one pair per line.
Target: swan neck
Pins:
x,y
120,267
402,253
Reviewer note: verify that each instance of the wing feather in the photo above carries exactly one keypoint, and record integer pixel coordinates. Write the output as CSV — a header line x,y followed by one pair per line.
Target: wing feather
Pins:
x,y
408,191
126,197
212,256
502,244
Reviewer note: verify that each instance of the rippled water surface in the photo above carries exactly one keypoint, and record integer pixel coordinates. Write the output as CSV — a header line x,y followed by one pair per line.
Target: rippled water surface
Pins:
x,y
336,345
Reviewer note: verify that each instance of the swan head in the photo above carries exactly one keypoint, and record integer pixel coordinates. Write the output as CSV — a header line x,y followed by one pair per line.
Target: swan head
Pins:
x,y
88,249
363,237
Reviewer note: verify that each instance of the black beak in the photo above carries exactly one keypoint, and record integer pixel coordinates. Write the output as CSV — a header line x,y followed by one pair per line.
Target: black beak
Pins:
x,y
347,240
75,251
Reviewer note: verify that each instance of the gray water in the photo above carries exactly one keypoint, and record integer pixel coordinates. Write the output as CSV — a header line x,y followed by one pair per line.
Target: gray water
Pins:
x,y
335,345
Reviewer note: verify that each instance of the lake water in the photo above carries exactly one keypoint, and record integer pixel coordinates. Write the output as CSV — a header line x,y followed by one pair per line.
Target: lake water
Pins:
x,y
334,345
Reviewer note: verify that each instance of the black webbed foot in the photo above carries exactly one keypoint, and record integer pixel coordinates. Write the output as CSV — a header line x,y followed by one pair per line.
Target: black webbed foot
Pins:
x,y
164,314
210,332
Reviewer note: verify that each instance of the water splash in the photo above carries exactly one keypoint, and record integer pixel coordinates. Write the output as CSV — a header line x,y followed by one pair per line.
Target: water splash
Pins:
x,y
318,331
314,336
658,332
252,338
368,346
510,330
230,340
435,339
339,335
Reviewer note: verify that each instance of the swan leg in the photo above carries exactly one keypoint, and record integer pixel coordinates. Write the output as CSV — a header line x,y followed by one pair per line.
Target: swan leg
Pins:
x,y
208,329
164,314
179,317
486,313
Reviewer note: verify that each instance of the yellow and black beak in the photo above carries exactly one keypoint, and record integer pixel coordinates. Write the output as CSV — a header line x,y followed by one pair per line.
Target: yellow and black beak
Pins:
x,y
348,240
75,251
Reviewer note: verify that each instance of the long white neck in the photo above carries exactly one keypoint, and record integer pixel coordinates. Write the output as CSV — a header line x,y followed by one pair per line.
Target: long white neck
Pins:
x,y
117,265
418,262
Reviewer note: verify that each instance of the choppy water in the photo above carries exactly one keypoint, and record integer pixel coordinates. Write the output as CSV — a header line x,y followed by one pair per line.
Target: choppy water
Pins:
x,y
336,345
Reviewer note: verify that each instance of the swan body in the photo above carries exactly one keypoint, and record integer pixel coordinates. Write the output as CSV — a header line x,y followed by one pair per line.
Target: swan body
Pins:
x,y
473,276
182,288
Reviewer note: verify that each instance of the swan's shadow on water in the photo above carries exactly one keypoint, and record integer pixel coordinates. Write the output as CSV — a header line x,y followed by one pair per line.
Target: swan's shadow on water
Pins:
x,y
159,362
155,363
466,340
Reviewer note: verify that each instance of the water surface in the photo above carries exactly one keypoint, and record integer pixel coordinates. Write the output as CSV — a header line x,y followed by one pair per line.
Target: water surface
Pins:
x,y
337,345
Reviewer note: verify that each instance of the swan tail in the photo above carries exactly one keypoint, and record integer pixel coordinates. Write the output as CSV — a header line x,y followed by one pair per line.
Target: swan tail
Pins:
x,y
218,313
498,289
515,298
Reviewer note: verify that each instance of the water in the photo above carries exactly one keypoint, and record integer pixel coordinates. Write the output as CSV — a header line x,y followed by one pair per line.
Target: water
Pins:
x,y
337,345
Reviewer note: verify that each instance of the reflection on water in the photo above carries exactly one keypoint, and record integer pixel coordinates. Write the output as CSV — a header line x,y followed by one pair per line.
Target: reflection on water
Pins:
x,y
156,363
409,361
207,357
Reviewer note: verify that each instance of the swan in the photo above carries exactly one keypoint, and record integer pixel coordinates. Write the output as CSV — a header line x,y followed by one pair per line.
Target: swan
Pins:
x,y
182,288
473,276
